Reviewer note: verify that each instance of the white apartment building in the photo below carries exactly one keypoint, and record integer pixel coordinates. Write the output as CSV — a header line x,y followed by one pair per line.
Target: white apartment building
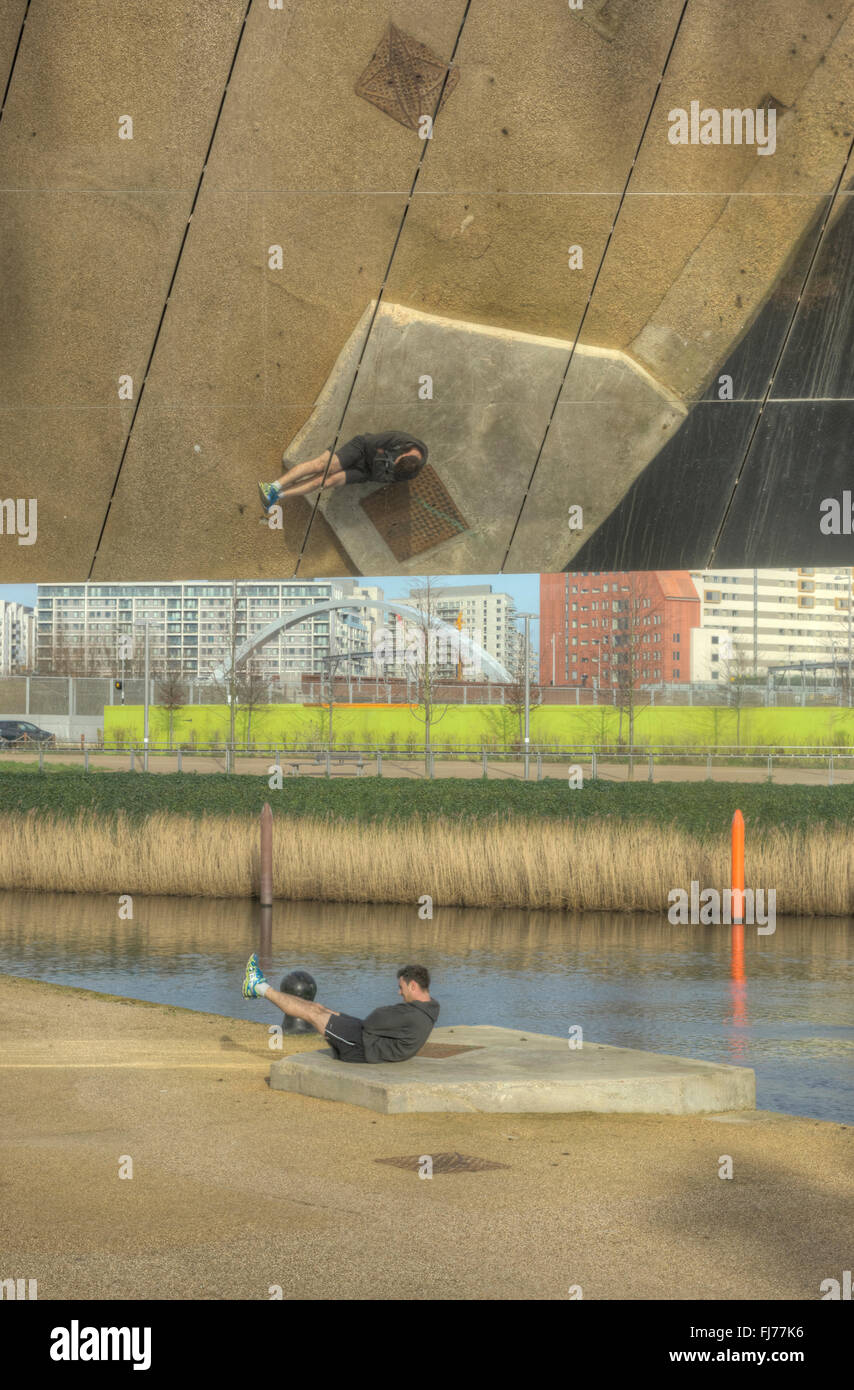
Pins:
x,y
753,619
487,618
356,629
190,626
17,626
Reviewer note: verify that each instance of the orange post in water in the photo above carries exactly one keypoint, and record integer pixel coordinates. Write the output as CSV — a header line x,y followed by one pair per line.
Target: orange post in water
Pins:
x,y
738,867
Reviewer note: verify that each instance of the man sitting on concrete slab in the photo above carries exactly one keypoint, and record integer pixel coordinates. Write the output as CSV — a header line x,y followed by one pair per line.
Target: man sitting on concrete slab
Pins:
x,y
390,457
391,1034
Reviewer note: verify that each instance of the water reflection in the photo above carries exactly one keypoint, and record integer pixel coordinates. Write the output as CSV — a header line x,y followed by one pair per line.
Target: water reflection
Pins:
x,y
780,1003
738,994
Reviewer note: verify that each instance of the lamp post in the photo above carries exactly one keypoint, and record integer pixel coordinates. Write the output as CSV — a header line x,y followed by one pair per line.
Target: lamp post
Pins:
x,y
232,677
527,617
597,662
145,702
848,606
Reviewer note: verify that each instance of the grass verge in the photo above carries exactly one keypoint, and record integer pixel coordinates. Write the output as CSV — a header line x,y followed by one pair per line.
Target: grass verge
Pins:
x,y
697,807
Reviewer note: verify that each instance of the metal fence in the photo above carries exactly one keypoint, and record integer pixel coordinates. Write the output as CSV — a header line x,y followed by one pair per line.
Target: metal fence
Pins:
x,y
537,762
89,695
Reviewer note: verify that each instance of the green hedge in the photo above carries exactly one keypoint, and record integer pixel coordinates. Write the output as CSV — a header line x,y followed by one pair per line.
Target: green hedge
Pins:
x,y
698,806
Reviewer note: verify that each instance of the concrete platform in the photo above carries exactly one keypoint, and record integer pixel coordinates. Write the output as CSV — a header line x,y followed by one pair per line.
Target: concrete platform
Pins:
x,y
502,1070
494,390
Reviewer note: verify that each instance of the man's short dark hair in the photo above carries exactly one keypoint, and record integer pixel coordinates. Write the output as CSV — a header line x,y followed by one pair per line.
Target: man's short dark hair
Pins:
x,y
417,974
409,467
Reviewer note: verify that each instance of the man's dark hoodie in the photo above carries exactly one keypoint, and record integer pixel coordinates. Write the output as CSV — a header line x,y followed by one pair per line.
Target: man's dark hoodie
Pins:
x,y
396,1032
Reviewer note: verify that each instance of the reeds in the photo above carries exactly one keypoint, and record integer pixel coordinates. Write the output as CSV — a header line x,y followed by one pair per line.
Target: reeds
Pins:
x,y
588,866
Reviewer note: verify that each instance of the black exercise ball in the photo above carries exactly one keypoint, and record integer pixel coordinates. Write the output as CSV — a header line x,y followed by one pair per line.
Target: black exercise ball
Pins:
x,y
303,985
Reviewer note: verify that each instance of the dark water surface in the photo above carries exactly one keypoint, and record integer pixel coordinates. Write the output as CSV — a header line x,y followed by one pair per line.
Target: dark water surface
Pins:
x,y
781,1004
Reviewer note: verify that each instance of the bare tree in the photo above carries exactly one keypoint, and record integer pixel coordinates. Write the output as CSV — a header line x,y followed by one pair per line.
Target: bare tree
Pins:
x,y
737,672
594,721
171,695
227,686
425,647
250,688
66,658
630,642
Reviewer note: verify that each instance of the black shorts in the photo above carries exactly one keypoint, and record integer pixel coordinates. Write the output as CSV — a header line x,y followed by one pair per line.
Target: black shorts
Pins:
x,y
344,1035
352,458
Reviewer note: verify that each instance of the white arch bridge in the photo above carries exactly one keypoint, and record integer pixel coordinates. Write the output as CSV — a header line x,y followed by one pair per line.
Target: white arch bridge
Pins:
x,y
470,653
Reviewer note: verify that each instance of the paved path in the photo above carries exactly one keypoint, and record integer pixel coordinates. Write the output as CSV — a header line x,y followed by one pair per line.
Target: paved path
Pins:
x,y
237,1188
413,768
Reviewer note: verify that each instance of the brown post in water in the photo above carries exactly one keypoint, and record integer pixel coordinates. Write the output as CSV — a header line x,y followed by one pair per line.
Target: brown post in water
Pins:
x,y
266,856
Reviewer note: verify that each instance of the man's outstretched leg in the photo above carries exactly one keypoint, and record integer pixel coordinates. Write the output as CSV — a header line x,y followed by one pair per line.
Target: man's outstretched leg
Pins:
x,y
302,478
341,1031
255,986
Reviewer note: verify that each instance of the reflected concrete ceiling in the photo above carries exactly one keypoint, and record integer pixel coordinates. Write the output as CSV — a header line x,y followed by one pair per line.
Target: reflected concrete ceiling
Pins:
x,y
274,257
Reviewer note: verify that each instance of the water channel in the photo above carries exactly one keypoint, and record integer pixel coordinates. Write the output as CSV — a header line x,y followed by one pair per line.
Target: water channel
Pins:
x,y
781,1004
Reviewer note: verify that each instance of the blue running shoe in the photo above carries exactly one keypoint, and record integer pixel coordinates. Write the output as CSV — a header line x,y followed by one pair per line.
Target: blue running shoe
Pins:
x,y
252,979
269,495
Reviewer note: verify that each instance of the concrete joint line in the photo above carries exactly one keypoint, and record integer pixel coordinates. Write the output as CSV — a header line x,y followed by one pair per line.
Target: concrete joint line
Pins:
x,y
8,86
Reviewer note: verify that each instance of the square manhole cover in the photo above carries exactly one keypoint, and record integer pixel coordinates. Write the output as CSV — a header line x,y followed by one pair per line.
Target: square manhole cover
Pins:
x,y
404,78
413,517
439,1050
444,1163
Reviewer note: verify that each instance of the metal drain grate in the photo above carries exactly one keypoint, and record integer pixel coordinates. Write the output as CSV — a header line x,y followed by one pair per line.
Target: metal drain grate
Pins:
x,y
404,78
439,1050
413,517
444,1163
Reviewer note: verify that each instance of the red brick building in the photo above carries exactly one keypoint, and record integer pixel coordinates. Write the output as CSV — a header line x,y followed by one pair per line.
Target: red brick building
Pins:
x,y
605,628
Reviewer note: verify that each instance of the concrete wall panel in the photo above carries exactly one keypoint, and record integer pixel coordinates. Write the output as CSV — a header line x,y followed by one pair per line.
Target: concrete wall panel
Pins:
x,y
500,260
293,120
185,506
611,422
66,459
545,103
723,285
529,157
255,346
735,57
84,64
85,278
11,18
238,331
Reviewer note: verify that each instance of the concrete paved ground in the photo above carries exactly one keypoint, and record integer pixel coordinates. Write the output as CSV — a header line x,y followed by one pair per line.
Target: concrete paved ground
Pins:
x,y
503,1071
237,1188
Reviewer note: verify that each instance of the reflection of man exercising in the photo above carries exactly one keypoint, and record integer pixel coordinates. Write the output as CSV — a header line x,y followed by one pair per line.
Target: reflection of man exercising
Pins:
x,y
390,457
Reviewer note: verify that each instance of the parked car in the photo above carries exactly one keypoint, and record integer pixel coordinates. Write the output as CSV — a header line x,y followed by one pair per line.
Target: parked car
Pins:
x,y
19,731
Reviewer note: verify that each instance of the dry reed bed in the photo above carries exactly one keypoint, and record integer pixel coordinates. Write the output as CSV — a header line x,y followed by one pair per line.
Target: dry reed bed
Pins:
x,y
591,866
